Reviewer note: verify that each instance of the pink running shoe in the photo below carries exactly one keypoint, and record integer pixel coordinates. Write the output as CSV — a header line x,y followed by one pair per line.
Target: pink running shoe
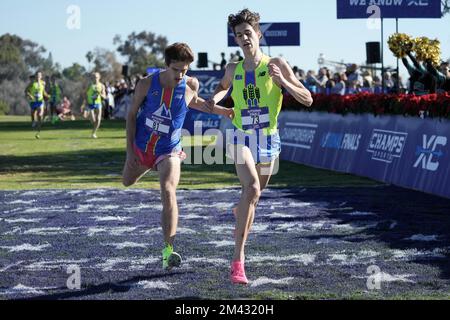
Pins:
x,y
238,273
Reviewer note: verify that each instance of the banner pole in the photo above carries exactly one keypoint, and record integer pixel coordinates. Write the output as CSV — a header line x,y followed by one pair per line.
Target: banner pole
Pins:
x,y
398,69
382,58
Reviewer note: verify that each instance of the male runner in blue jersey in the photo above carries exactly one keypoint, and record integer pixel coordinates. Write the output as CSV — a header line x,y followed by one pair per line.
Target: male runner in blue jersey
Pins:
x,y
154,125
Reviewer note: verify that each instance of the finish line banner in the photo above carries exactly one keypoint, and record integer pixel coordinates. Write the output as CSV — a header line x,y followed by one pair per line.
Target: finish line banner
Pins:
x,y
363,9
409,152
274,34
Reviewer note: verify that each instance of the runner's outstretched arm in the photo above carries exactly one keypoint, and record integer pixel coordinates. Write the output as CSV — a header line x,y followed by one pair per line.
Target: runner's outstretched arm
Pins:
x,y
200,104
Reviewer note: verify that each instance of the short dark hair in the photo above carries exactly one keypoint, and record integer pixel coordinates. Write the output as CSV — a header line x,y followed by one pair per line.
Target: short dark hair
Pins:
x,y
178,52
244,16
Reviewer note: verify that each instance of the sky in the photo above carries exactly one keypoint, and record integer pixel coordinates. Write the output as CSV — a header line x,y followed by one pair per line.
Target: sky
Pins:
x,y
202,24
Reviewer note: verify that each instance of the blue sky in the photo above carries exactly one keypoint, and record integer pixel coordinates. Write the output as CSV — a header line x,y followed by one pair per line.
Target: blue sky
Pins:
x,y
202,24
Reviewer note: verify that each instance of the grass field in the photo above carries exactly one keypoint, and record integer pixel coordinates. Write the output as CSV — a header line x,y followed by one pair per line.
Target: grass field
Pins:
x,y
67,158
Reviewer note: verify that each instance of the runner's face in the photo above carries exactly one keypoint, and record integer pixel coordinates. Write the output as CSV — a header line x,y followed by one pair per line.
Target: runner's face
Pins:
x,y
177,70
39,76
246,37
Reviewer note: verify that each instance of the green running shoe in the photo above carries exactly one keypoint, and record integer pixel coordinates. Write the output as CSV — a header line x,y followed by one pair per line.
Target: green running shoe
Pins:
x,y
171,259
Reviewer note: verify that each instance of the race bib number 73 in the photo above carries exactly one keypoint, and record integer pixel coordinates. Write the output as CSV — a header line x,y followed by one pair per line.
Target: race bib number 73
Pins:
x,y
255,118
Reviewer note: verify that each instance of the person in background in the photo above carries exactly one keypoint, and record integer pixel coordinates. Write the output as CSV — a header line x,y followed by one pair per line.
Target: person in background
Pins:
x,y
367,84
110,98
338,85
30,97
64,110
354,79
233,58
55,98
398,87
310,81
95,94
223,61
377,84
321,81
388,82
421,82
441,76
238,56
295,71
36,94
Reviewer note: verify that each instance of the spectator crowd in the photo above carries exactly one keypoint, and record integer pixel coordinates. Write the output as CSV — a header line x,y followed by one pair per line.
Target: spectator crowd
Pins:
x,y
424,78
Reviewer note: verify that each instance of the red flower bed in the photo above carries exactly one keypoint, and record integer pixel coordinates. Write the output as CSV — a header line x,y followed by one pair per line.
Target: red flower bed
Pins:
x,y
431,105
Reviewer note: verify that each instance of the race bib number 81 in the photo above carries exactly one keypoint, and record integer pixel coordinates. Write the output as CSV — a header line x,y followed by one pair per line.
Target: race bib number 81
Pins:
x,y
159,125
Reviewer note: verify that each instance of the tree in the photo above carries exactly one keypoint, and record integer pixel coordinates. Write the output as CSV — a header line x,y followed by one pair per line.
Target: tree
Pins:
x,y
105,62
75,72
89,56
13,97
445,7
20,57
4,108
143,50
49,68
12,64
